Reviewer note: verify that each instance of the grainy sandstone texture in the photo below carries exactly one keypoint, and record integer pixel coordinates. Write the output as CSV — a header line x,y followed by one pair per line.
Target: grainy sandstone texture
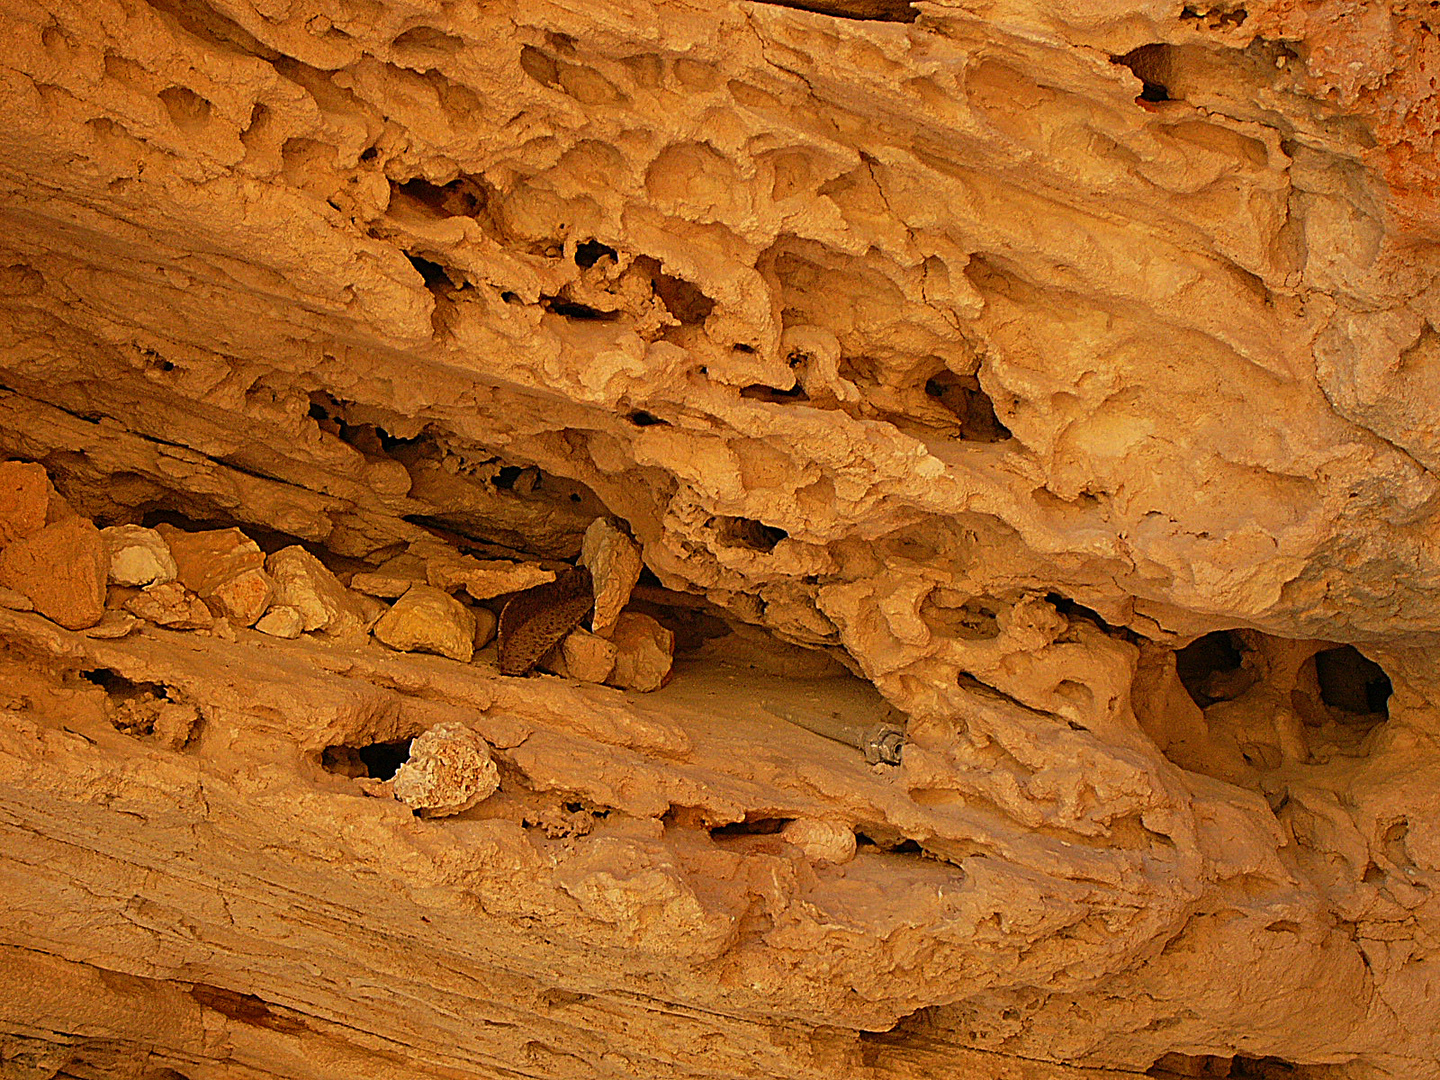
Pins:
x,y
1056,381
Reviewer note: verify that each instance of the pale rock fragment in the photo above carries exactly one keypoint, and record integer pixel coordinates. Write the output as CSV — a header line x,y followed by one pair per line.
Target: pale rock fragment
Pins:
x,y
113,624
372,610
485,623
224,567
24,498
613,560
13,600
483,579
426,619
449,771
282,621
304,583
644,652
174,723
62,570
822,841
59,508
584,656
392,577
138,556
172,606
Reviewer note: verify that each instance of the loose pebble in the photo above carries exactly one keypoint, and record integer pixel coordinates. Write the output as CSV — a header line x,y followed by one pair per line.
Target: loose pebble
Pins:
x,y
613,560
449,771
585,656
426,619
485,623
24,498
62,569
822,841
138,556
282,621
223,566
644,652
113,624
304,583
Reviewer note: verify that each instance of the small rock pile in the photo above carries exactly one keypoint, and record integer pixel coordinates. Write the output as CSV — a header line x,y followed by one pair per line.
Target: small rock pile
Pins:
x,y
106,582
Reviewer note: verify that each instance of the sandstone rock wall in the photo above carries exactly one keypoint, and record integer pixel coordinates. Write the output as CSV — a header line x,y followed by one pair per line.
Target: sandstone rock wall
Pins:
x,y
1054,382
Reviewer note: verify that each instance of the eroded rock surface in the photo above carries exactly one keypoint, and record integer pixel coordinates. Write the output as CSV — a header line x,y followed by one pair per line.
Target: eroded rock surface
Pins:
x,y
1052,382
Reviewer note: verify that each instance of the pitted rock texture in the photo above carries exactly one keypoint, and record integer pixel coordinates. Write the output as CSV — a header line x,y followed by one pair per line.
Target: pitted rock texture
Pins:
x,y
1053,381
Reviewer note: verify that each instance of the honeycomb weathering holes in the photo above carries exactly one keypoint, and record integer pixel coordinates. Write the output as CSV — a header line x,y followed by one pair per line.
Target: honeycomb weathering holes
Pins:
x,y
589,252
1353,689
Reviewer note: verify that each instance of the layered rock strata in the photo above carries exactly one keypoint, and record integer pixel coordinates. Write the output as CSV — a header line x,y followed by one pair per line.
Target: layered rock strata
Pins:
x,y
1051,382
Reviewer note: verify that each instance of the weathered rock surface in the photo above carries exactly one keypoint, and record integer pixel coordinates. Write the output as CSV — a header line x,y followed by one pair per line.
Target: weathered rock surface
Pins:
x,y
426,619
223,566
1055,381
448,771
62,570
644,652
138,556
171,605
24,499
304,583
613,560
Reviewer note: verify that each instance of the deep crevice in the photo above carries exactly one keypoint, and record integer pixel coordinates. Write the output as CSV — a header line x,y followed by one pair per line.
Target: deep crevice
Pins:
x,y
1210,668
117,686
761,392
1073,609
1240,1067
901,11
749,533
1352,683
592,251
884,838
131,707
466,196
372,440
378,761
571,310
962,396
760,826
434,274
1151,65
682,299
